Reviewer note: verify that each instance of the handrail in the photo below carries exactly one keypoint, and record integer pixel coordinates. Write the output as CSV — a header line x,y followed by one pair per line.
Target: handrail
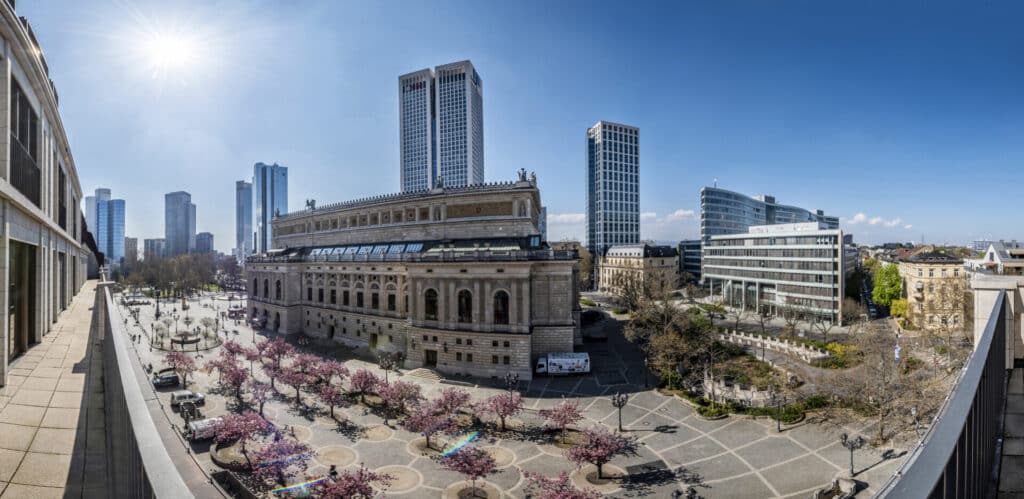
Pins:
x,y
955,458
138,462
455,255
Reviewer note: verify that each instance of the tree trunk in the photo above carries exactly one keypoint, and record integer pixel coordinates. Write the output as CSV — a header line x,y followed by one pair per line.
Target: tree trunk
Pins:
x,y
599,474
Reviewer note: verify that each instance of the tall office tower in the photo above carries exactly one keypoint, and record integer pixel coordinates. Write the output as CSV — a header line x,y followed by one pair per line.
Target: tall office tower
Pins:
x,y
204,242
441,126
106,218
270,196
243,218
191,227
179,223
131,250
724,212
613,186
153,248
542,223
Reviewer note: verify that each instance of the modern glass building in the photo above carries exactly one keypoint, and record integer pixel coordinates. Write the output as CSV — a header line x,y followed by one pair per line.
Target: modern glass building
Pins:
x,y
243,218
204,242
106,218
270,196
179,223
613,186
441,127
724,212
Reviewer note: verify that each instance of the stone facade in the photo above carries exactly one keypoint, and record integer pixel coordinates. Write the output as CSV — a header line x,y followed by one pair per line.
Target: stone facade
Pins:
x,y
454,279
936,288
654,266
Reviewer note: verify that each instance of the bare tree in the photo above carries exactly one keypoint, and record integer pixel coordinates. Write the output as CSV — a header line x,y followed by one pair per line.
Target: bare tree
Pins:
x,y
737,315
854,313
823,326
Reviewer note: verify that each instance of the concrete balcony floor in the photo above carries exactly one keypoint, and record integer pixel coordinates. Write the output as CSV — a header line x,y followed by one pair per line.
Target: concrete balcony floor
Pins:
x,y
1011,471
52,441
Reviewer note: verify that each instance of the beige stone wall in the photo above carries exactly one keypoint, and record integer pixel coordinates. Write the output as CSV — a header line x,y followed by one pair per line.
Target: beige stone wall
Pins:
x,y
552,340
935,294
473,354
656,270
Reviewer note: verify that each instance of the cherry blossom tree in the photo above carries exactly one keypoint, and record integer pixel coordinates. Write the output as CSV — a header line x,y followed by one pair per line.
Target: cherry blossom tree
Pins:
x,y
362,382
281,459
562,415
451,400
252,354
260,392
234,377
471,462
397,396
233,347
599,446
217,364
357,484
503,406
332,396
182,364
426,419
274,354
327,370
560,487
296,378
240,428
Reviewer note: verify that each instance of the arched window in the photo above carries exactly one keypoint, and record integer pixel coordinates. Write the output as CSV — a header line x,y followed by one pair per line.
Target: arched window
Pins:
x,y
266,288
501,307
277,290
255,287
430,305
465,306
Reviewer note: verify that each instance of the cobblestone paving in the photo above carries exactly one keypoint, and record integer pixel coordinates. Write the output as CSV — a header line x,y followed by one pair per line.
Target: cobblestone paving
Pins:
x,y
734,457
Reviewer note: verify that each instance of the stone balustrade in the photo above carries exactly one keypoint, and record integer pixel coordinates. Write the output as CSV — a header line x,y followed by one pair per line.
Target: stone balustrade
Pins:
x,y
789,348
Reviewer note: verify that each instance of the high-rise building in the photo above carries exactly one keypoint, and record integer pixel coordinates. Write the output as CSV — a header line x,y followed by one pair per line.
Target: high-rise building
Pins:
x,y
613,186
441,127
542,224
179,223
204,242
724,212
131,250
270,197
243,218
106,220
153,249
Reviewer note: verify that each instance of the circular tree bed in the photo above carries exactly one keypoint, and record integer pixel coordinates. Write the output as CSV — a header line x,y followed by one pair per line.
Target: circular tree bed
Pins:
x,y
229,456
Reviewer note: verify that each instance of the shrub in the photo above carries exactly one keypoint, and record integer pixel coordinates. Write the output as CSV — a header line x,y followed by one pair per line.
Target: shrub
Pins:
x,y
589,303
620,310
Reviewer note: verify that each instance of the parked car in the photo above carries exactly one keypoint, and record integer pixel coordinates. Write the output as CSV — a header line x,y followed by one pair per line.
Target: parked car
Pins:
x,y
164,380
202,429
182,396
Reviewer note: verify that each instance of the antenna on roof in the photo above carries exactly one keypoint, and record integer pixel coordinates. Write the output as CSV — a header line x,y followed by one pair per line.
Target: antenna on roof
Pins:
x,y
716,183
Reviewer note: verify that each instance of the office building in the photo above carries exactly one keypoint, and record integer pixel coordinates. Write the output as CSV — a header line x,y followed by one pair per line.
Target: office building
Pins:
x,y
689,260
455,279
243,218
204,242
724,212
441,127
43,258
131,250
613,186
543,223
650,267
783,268
179,224
153,249
105,218
269,197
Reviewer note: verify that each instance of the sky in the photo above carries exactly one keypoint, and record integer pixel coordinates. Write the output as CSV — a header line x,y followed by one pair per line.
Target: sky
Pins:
x,y
905,119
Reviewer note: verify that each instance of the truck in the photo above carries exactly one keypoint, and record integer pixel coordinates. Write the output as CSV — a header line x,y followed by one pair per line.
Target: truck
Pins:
x,y
563,363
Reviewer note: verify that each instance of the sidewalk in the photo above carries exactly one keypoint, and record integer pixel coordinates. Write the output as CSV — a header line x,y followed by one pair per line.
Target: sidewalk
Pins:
x,y
52,441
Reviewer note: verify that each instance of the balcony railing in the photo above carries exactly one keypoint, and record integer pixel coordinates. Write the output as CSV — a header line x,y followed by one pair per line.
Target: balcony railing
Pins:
x,y
958,455
440,257
24,172
138,464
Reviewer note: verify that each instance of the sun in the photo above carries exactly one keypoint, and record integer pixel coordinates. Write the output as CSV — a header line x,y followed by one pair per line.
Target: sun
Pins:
x,y
170,51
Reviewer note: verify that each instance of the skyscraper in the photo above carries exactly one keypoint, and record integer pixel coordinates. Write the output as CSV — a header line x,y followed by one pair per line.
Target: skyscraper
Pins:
x,y
106,218
270,196
131,249
243,218
204,242
441,126
179,223
153,249
613,186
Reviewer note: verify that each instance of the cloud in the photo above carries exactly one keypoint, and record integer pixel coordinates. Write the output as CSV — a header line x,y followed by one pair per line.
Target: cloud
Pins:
x,y
678,225
567,226
648,215
861,218
682,215
567,218
908,226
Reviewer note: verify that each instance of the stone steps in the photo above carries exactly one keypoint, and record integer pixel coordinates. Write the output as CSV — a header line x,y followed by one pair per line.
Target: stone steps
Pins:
x,y
424,373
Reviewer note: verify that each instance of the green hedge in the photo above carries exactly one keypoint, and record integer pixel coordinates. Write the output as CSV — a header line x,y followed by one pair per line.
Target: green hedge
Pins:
x,y
589,303
790,413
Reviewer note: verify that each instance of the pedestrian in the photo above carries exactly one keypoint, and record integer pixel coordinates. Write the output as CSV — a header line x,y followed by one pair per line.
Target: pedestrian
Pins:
x,y
334,472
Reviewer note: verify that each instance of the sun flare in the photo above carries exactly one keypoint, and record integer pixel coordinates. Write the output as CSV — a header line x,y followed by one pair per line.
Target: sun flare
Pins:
x,y
170,51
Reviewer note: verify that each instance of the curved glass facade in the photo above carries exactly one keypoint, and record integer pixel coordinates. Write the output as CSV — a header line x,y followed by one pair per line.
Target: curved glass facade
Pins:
x,y
724,212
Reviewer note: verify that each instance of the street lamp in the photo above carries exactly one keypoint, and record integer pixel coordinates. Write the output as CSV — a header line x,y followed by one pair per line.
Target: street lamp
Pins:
x,y
778,412
619,401
511,382
646,382
851,444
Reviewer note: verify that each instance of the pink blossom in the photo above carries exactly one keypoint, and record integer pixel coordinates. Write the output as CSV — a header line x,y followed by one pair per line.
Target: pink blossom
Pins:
x,y
240,428
362,382
562,415
471,462
260,392
356,484
295,378
182,364
397,395
427,420
281,459
451,400
332,396
328,369
599,446
504,405
560,487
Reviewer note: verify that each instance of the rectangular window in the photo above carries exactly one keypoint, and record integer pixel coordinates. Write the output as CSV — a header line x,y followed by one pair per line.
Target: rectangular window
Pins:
x,y
469,357
458,356
458,341
320,295
504,360
494,359
359,299
391,303
309,294
334,297
344,298
494,344
506,344
375,301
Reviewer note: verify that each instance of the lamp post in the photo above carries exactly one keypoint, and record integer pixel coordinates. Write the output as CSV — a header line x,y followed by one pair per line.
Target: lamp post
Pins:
x,y
511,382
619,401
646,382
851,444
778,413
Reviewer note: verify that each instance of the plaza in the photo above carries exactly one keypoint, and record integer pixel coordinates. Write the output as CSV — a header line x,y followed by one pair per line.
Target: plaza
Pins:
x,y
730,457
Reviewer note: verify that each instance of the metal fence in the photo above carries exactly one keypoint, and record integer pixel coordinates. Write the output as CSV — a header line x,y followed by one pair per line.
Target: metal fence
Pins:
x,y
959,454
138,464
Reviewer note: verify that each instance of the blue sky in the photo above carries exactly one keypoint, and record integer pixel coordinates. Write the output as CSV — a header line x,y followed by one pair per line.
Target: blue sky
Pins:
x,y
908,114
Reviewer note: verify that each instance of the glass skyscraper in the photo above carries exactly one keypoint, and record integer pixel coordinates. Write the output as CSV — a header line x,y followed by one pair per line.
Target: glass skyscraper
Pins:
x,y
270,196
106,218
613,186
243,218
724,212
441,127
179,223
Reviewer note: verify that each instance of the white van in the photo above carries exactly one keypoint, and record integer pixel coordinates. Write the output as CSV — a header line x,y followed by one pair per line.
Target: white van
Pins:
x,y
181,396
202,429
563,363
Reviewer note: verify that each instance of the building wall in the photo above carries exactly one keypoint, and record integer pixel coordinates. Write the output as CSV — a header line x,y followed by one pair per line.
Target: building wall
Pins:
x,y
270,197
724,212
655,271
613,186
935,292
39,222
243,218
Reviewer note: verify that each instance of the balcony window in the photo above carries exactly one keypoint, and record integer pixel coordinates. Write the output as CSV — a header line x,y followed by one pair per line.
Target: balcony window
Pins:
x,y
430,305
25,174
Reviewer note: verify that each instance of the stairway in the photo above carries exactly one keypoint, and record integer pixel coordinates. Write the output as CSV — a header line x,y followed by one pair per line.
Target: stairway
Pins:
x,y
424,373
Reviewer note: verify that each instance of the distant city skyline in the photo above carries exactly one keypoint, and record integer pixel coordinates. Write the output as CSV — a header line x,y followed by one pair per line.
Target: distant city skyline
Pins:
x,y
822,105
